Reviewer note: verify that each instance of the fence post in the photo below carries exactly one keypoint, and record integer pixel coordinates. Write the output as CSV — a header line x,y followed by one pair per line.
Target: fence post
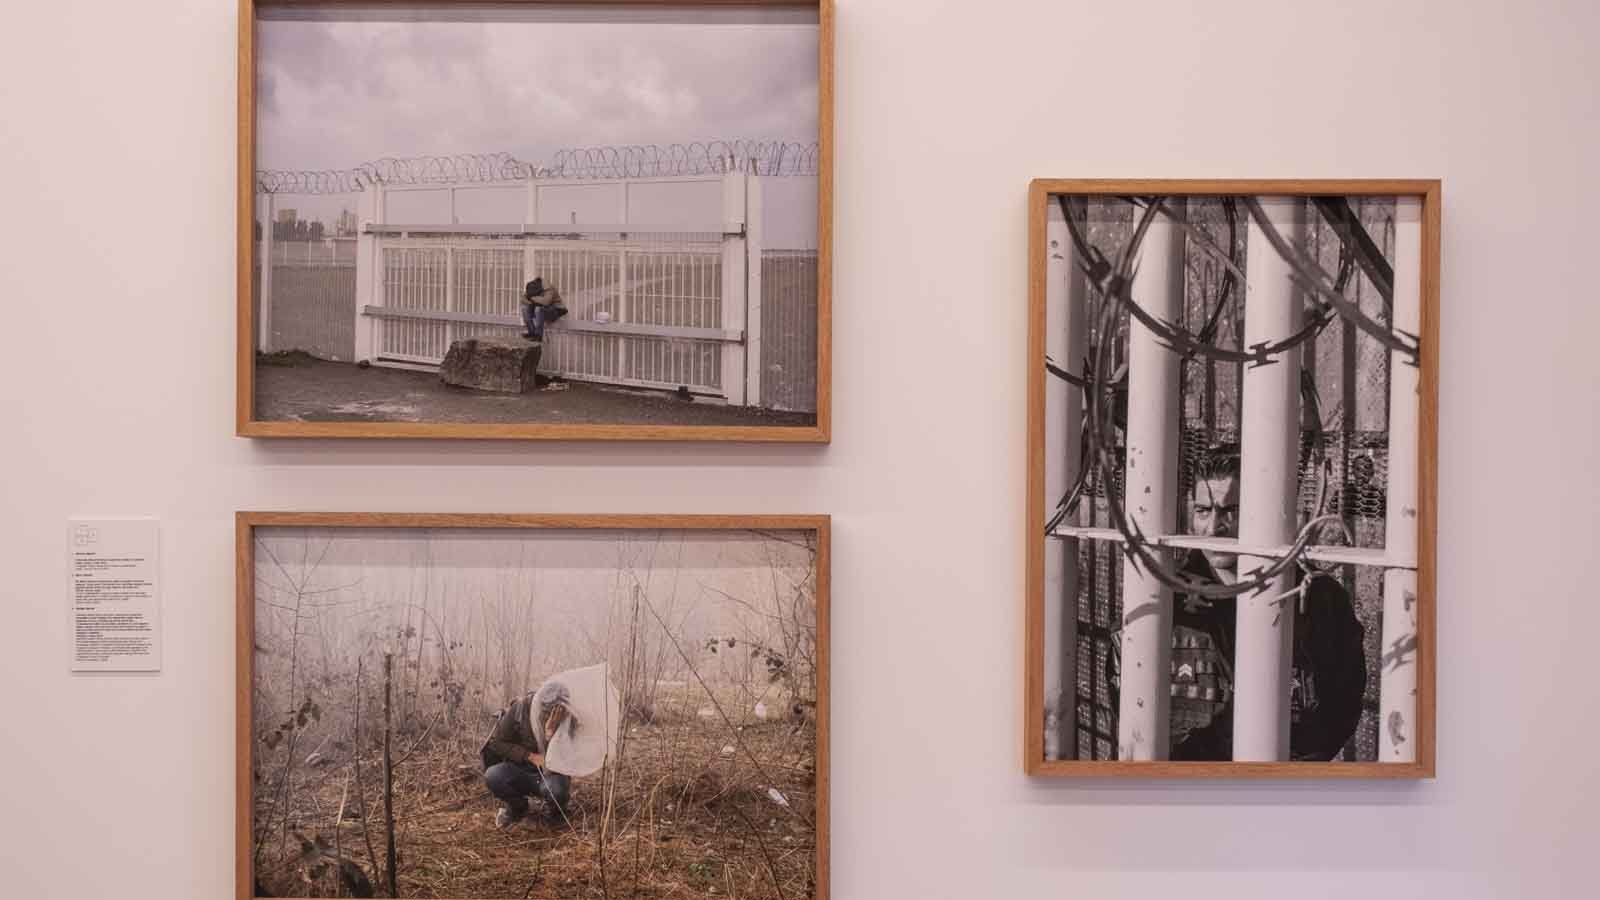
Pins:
x,y
1397,684
752,291
264,298
369,279
733,286
1150,495
449,292
1066,296
1268,487
624,308
530,260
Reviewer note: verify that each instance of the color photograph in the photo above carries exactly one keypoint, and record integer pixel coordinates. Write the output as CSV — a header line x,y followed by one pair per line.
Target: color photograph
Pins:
x,y
534,219
535,712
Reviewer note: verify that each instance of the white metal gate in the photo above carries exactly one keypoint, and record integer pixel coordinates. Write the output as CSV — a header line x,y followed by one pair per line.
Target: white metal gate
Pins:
x,y
661,306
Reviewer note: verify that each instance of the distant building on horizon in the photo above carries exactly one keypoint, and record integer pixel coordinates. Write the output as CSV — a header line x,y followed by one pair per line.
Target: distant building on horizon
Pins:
x,y
288,216
347,223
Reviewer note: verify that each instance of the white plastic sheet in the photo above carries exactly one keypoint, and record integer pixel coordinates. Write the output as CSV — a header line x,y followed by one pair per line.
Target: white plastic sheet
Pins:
x,y
582,743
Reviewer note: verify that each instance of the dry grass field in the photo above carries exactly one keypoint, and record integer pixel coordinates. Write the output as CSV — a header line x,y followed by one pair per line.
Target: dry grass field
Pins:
x,y
685,811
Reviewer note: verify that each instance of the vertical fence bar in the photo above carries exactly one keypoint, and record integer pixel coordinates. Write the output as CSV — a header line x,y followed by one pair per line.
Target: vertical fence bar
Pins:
x,y
733,285
529,266
369,273
752,291
1151,496
1268,483
264,300
451,266
623,311
1397,684
1066,299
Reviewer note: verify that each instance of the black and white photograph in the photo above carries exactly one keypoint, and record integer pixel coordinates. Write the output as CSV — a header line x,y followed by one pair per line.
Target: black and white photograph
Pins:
x,y
1230,480
534,712
535,214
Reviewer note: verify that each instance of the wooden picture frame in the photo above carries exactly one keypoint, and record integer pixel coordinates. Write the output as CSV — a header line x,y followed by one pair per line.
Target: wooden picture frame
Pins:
x,y
735,356
1061,259
654,531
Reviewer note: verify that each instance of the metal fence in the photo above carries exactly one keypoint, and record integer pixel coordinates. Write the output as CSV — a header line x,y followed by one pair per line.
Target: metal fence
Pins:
x,y
313,290
334,251
477,285
789,330
701,306
314,300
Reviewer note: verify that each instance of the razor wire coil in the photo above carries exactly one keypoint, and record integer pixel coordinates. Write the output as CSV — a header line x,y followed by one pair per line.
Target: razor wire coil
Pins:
x,y
1102,378
766,158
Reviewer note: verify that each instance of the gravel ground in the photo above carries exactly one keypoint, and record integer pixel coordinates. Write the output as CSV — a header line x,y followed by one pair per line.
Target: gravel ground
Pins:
x,y
300,388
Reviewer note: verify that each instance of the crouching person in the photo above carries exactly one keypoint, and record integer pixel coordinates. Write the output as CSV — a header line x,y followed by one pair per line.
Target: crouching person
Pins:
x,y
541,305
513,756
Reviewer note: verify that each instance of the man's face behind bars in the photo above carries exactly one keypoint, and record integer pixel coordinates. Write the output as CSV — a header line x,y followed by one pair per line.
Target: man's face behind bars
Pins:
x,y
1215,513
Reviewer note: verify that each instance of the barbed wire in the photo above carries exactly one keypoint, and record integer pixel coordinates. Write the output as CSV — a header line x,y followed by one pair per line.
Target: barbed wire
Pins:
x,y
461,168
1113,283
330,181
708,158
1109,282
768,158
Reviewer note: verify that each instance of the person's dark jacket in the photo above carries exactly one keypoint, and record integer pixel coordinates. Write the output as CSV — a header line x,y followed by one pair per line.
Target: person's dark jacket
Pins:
x,y
520,731
1329,669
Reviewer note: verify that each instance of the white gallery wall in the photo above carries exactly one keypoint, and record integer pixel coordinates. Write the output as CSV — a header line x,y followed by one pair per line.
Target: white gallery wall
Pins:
x,y
116,394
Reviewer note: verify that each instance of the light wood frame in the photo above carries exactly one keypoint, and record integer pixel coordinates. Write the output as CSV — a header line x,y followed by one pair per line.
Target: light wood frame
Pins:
x,y
246,423
1034,763
244,611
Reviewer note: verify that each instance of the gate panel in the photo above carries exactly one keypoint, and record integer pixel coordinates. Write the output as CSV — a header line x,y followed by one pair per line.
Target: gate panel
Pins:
x,y
625,283
601,283
587,274
645,301
414,279
487,280
669,363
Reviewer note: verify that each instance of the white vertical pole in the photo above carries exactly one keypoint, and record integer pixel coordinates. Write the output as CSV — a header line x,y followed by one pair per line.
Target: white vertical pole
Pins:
x,y
530,257
1066,340
1268,488
454,220
449,293
752,289
1397,684
622,311
264,301
530,261
369,274
1151,497
733,285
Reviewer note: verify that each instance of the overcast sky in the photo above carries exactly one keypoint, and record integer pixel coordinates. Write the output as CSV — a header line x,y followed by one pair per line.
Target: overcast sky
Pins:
x,y
331,95
335,94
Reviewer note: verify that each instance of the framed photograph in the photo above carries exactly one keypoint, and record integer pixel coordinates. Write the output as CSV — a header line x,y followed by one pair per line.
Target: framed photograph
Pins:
x,y
1232,438
529,706
536,219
